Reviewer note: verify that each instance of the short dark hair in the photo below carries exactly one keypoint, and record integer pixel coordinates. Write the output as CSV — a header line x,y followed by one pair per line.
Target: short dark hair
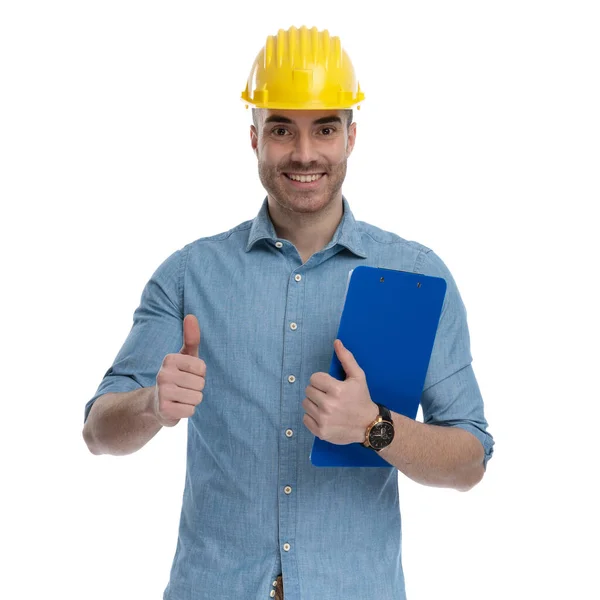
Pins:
x,y
347,112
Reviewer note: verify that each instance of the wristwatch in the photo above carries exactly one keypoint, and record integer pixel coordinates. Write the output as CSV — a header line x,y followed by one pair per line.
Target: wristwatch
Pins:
x,y
380,432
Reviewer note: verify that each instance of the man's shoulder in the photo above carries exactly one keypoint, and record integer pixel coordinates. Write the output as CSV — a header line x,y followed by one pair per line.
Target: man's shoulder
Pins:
x,y
223,235
422,258
383,236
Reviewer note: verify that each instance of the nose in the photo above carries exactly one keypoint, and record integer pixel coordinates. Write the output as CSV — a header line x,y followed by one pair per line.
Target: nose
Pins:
x,y
304,151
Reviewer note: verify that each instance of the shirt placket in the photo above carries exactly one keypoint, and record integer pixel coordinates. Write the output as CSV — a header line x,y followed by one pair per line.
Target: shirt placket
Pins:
x,y
290,414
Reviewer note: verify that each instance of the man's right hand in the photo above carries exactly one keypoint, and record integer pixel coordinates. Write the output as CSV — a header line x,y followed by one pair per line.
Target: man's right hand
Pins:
x,y
180,381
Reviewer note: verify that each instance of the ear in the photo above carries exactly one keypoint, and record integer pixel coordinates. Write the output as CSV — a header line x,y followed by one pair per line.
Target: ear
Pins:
x,y
254,139
351,139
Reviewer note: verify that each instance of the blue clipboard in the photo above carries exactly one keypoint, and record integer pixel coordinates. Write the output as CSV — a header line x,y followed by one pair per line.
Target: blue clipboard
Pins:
x,y
389,322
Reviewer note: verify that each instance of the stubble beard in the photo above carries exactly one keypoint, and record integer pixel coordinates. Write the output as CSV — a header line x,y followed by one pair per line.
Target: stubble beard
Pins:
x,y
298,201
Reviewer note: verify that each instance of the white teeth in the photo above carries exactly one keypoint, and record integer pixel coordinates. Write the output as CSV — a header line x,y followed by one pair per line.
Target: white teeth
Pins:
x,y
304,178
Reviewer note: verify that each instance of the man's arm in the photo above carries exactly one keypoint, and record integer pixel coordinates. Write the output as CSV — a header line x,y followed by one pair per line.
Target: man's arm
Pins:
x,y
452,446
435,455
121,423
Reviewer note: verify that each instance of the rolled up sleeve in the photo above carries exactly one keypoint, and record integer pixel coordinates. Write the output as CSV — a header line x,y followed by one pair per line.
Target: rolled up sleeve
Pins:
x,y
157,330
451,395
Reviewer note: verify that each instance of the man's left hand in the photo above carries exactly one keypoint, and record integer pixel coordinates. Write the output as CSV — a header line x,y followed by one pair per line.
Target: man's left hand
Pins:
x,y
339,411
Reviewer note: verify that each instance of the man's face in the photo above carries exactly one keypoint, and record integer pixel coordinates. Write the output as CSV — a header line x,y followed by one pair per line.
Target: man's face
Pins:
x,y
290,144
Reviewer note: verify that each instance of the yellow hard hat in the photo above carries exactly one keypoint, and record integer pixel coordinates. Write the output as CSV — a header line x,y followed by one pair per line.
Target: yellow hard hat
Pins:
x,y
302,69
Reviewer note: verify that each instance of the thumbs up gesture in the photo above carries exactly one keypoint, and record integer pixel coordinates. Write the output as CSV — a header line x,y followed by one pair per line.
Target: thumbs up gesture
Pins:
x,y
180,380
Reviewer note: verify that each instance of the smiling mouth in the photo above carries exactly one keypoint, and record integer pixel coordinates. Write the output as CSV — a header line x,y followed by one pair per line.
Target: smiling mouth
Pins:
x,y
308,178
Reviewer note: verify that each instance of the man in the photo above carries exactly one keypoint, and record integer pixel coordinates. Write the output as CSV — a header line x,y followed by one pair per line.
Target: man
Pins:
x,y
261,304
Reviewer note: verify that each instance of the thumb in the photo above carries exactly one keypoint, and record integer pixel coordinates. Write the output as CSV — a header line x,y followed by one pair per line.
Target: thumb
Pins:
x,y
191,336
351,367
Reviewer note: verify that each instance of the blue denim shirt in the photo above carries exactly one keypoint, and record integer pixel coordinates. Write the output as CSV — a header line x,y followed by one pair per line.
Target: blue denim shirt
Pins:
x,y
253,504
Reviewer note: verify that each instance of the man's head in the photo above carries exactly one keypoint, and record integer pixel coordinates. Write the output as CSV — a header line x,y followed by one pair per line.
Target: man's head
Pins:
x,y
293,143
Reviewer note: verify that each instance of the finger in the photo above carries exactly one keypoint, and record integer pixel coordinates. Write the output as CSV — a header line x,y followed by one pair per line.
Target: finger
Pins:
x,y
185,396
310,408
190,381
191,364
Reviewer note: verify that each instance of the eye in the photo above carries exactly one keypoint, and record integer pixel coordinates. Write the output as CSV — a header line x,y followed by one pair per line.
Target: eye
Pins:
x,y
330,129
278,130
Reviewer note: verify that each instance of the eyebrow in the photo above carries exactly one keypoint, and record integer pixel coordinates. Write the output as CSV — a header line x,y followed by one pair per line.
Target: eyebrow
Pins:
x,y
321,121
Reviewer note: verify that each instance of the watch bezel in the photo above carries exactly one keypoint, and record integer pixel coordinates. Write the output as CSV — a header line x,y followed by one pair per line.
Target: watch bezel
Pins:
x,y
375,441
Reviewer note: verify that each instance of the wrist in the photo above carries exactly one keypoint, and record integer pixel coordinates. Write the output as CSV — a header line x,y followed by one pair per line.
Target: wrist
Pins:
x,y
370,416
150,403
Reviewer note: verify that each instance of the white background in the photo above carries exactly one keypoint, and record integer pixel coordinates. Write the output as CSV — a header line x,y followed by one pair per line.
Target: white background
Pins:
x,y
123,138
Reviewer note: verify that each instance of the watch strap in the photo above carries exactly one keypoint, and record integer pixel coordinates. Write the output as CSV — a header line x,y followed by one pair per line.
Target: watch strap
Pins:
x,y
386,415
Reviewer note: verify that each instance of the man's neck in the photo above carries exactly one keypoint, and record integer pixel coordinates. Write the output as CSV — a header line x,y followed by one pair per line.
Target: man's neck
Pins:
x,y
309,232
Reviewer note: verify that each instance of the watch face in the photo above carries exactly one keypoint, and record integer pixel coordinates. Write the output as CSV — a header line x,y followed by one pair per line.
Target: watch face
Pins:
x,y
381,435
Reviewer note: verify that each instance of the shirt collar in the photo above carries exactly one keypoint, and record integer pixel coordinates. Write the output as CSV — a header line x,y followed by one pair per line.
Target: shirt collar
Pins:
x,y
347,233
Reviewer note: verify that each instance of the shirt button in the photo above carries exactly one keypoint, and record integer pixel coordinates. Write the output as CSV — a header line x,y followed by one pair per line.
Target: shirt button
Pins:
x,y
275,583
286,547
279,244
291,379
289,432
272,594
287,489
298,277
293,326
